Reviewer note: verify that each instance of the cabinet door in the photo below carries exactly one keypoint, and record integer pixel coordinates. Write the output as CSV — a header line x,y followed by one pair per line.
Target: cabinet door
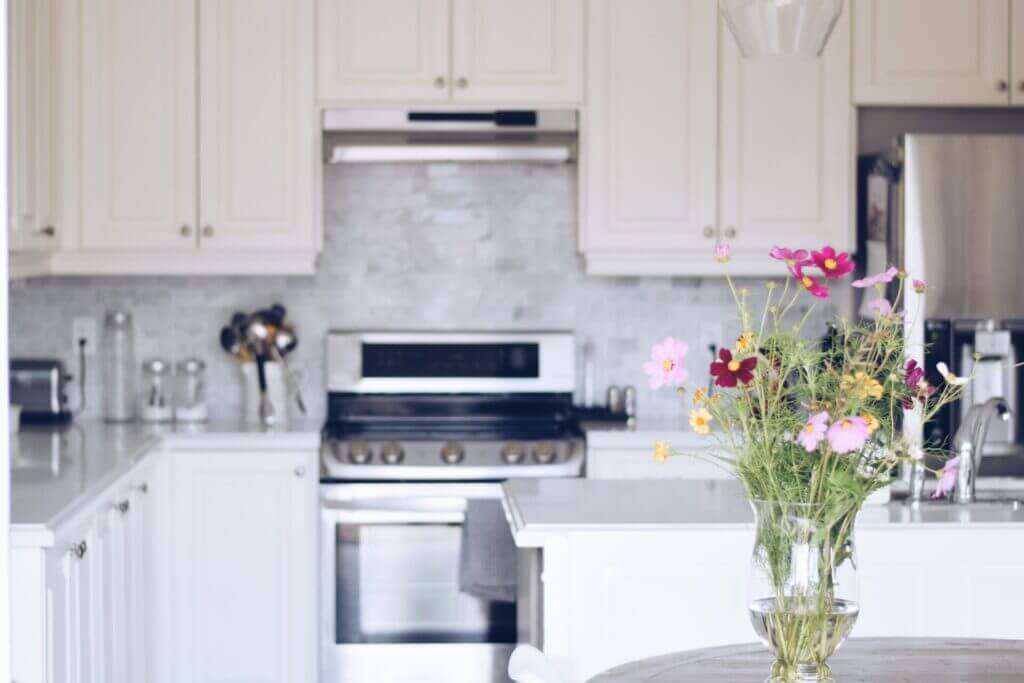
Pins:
x,y
30,126
74,645
1017,50
136,532
257,135
59,616
383,50
649,143
244,567
931,52
528,52
138,124
787,150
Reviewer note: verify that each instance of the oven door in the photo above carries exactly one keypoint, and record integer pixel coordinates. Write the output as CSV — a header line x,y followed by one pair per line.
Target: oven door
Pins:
x,y
392,609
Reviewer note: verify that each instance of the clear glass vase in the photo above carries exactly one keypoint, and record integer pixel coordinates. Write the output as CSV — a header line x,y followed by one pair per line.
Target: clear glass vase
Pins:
x,y
802,591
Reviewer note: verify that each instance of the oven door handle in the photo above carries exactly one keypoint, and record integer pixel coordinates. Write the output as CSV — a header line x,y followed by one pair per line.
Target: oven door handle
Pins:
x,y
365,516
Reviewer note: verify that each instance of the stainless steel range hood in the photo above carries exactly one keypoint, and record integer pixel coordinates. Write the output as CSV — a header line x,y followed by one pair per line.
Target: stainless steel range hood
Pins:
x,y
353,136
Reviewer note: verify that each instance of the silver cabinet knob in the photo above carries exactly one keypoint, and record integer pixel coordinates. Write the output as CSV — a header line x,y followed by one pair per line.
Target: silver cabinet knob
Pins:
x,y
709,232
730,233
300,471
48,231
1002,86
142,488
185,231
439,82
462,83
207,231
78,550
122,507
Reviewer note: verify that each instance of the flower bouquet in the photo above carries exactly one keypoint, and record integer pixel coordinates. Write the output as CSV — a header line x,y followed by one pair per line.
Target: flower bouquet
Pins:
x,y
811,429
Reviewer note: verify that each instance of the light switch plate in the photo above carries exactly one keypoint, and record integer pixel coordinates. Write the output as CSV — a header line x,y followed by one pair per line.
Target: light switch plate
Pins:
x,y
84,328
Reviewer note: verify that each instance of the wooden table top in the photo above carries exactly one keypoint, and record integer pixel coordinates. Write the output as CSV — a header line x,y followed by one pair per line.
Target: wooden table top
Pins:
x,y
896,660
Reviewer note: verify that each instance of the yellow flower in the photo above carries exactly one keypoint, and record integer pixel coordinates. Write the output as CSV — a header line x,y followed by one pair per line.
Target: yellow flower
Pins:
x,y
872,422
744,342
662,449
700,420
861,385
700,396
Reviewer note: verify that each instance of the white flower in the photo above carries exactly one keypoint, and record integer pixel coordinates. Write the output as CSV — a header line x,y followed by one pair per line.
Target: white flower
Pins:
x,y
949,376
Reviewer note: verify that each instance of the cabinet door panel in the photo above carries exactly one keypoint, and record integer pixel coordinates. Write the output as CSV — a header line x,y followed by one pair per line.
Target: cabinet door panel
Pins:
x,y
787,148
649,144
1017,51
256,124
138,124
380,50
529,51
931,52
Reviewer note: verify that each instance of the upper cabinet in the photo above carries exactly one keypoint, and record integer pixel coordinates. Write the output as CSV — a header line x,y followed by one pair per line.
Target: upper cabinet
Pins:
x,y
30,127
527,53
934,52
1017,52
668,174
196,137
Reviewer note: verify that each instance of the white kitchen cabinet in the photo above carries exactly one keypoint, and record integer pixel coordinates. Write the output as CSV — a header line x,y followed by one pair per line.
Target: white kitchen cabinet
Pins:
x,y
138,125
489,51
31,229
257,124
244,567
787,149
529,51
932,52
383,50
649,153
1017,53
71,599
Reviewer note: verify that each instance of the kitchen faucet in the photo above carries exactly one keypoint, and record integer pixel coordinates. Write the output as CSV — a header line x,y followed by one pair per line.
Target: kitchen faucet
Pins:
x,y
969,443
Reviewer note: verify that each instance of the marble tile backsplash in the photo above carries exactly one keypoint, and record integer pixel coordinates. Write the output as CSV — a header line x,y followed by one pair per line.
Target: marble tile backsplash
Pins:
x,y
431,247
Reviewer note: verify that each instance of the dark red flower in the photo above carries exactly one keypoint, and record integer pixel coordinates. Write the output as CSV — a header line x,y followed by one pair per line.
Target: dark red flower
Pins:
x,y
917,383
728,371
915,373
833,265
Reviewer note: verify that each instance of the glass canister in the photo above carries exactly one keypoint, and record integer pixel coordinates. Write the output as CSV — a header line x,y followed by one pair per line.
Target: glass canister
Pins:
x,y
118,361
190,391
155,397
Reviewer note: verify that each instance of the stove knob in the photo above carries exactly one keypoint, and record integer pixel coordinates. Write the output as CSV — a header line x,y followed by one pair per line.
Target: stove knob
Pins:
x,y
359,453
391,453
452,453
545,452
513,452
338,450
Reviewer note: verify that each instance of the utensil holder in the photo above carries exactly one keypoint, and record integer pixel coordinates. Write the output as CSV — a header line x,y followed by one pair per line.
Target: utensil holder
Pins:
x,y
276,392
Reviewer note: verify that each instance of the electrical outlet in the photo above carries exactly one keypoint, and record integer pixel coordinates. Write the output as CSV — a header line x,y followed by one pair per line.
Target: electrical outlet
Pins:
x,y
84,328
711,333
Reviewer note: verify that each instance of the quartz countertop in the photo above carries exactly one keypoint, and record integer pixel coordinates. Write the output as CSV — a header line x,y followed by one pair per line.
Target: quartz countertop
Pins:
x,y
56,467
537,508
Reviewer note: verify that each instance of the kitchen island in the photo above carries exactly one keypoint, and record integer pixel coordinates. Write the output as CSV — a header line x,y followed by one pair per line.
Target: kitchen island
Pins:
x,y
633,569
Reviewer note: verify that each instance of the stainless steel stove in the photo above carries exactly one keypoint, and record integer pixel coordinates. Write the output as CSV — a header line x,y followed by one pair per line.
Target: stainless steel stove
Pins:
x,y
450,407
421,430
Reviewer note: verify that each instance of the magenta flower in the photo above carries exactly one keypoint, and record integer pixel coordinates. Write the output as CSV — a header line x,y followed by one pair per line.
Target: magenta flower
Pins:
x,y
790,256
915,373
947,478
848,434
883,278
833,265
812,284
919,286
728,371
813,432
880,307
665,368
723,252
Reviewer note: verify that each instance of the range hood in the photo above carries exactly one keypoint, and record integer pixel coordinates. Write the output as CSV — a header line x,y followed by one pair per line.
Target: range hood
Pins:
x,y
354,136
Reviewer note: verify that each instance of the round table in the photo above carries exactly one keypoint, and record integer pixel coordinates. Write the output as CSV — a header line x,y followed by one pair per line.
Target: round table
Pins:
x,y
903,660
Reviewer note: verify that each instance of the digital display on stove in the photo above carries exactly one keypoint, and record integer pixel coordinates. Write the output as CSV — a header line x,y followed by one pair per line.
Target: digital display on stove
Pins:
x,y
505,361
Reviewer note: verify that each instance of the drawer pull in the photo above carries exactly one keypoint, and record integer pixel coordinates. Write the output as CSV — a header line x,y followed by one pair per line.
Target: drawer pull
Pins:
x,y
78,550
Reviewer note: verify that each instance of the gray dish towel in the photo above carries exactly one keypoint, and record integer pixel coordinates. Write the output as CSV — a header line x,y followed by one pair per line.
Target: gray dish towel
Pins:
x,y
487,558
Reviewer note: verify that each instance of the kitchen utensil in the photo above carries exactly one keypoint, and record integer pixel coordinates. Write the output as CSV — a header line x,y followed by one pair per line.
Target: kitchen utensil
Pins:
x,y
276,392
283,344
118,360
230,341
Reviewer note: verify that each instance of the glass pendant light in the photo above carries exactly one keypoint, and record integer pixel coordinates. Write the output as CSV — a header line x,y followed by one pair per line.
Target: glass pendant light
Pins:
x,y
765,28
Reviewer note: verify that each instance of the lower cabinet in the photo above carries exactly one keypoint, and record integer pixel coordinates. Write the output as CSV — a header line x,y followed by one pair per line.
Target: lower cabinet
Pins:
x,y
243,569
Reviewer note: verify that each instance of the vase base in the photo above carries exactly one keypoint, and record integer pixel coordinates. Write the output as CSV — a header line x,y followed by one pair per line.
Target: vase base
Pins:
x,y
803,673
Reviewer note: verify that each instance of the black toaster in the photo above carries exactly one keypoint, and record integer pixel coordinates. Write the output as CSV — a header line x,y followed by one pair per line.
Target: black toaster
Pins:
x,y
39,386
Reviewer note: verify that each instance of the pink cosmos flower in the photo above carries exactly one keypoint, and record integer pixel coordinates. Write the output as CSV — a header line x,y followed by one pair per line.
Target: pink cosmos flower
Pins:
x,y
812,284
883,278
813,432
722,252
919,286
880,307
848,434
947,478
833,265
665,368
790,256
